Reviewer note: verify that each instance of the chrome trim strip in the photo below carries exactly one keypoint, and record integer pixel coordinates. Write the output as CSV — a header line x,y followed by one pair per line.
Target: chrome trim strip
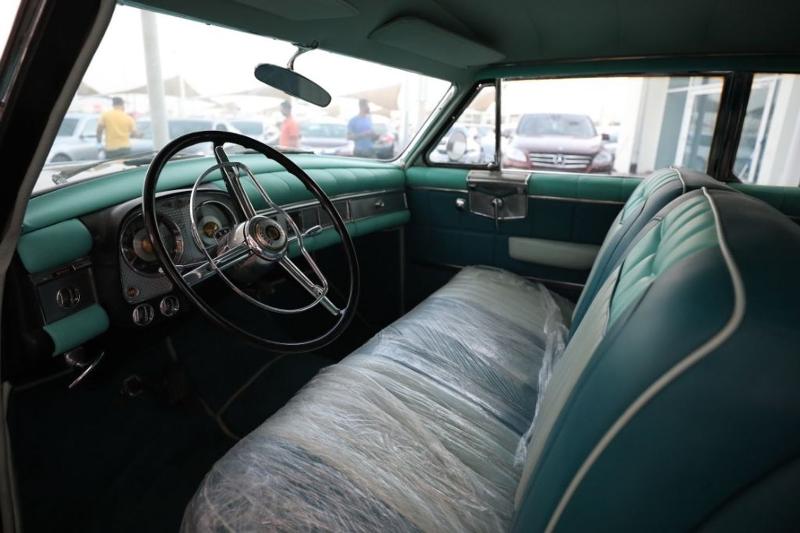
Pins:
x,y
574,200
440,189
531,196
349,196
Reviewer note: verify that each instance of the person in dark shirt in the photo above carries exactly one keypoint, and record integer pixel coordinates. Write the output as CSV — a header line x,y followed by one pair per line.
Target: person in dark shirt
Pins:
x,y
361,131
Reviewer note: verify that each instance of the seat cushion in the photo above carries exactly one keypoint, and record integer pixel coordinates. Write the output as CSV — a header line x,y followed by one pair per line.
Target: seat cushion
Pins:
x,y
416,430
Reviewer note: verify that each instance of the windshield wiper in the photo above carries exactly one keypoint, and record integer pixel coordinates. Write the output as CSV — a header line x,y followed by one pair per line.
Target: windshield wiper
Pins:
x,y
63,176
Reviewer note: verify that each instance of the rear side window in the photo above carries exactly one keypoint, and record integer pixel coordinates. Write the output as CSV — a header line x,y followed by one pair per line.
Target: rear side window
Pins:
x,y
620,125
770,141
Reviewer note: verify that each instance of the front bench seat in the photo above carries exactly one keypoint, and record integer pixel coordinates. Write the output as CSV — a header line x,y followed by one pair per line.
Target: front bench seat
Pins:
x,y
467,435
450,388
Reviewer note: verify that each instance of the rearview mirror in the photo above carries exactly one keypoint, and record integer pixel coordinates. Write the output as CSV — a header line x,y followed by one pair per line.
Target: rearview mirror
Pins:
x,y
293,84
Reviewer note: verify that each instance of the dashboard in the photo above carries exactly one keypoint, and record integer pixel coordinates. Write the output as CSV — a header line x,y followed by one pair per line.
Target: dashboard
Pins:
x,y
95,269
99,271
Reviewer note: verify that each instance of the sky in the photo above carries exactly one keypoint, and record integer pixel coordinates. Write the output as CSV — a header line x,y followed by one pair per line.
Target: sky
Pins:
x,y
216,60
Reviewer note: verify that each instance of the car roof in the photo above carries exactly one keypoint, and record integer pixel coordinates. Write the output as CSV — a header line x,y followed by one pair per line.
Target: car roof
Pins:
x,y
463,36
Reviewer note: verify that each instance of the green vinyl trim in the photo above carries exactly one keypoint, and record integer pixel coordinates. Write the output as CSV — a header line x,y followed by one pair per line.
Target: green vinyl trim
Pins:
x,y
784,199
336,176
549,184
381,222
571,255
54,245
582,186
77,328
441,177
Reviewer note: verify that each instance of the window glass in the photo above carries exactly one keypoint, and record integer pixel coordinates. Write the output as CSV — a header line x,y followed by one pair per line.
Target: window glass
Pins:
x,y
89,128
8,12
612,125
373,114
67,127
471,139
770,142
252,128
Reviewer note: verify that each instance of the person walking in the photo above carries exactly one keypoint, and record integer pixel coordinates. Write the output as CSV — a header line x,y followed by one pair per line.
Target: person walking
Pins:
x,y
361,131
290,131
118,127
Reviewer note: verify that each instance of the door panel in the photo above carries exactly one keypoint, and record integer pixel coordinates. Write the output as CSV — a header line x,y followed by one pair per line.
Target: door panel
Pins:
x,y
567,214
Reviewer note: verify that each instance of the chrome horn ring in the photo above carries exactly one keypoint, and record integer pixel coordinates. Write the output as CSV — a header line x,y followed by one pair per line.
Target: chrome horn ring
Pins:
x,y
266,239
256,237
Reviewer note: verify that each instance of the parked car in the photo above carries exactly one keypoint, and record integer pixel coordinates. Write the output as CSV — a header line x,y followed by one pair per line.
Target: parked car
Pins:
x,y
479,145
325,137
257,129
557,141
182,126
76,139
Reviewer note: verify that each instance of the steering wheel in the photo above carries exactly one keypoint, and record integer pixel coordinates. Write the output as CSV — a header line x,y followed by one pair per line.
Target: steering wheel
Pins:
x,y
258,241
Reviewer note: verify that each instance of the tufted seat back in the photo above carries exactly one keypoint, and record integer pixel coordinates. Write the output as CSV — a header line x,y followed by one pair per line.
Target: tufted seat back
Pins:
x,y
680,388
648,198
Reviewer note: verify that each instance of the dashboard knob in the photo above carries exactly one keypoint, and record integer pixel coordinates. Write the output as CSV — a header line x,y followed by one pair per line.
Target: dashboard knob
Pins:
x,y
143,314
170,305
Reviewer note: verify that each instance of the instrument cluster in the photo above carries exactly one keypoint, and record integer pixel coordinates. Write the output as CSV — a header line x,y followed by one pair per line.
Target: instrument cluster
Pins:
x,y
140,269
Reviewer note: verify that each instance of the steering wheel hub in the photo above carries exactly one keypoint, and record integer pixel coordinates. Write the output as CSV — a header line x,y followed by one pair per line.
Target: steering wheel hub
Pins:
x,y
266,237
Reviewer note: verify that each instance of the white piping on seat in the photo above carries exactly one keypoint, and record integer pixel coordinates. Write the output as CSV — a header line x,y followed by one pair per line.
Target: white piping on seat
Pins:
x,y
680,177
668,377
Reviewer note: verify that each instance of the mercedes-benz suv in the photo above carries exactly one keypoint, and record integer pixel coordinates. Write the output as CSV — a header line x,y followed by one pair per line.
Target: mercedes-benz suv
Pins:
x,y
557,141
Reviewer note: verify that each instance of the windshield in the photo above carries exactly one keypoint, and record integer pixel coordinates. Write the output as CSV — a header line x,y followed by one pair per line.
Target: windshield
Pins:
x,y
156,77
253,129
541,125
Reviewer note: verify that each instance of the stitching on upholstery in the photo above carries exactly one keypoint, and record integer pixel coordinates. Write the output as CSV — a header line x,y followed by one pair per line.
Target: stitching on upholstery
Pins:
x,y
668,377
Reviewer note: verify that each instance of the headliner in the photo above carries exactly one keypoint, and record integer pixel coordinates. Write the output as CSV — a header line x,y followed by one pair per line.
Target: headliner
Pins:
x,y
522,31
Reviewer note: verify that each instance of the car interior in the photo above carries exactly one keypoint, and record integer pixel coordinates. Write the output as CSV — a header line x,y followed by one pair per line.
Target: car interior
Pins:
x,y
553,287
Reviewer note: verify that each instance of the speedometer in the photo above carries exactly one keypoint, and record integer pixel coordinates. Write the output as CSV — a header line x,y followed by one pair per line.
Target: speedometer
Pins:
x,y
137,249
213,219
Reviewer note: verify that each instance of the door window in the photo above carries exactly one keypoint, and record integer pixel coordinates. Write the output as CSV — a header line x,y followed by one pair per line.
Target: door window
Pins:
x,y
471,139
609,125
601,125
770,141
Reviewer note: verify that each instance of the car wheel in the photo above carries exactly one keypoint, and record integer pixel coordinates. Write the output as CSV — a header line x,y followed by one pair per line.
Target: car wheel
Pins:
x,y
60,158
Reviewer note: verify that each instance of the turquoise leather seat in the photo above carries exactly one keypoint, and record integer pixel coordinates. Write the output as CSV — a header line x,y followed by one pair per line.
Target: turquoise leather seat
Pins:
x,y
675,404
649,197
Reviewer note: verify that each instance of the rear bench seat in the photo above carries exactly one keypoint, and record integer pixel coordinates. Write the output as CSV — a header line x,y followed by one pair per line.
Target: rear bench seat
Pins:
x,y
677,390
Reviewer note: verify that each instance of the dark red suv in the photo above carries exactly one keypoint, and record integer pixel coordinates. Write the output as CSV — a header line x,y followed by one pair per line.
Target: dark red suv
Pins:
x,y
557,141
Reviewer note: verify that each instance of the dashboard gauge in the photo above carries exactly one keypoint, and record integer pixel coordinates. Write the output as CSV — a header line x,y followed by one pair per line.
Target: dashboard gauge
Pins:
x,y
137,249
214,219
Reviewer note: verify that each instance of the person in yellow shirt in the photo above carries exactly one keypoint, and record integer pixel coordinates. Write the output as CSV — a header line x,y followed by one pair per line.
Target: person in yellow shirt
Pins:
x,y
119,127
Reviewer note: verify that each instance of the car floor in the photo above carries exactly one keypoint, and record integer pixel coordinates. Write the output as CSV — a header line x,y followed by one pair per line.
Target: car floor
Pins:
x,y
100,458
